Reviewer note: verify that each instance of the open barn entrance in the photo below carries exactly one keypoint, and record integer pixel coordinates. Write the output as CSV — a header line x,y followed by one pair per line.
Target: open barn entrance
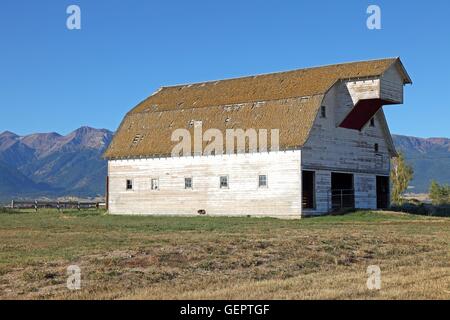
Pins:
x,y
342,191
308,190
382,192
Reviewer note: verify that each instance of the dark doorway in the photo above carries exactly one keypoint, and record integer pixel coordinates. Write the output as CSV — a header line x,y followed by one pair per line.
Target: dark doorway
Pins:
x,y
107,193
308,189
342,191
382,192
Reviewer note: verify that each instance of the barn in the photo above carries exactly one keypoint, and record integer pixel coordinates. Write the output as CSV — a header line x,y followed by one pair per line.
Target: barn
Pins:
x,y
322,144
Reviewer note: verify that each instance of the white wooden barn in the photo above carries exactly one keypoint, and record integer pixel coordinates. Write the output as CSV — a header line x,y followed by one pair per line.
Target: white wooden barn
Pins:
x,y
334,144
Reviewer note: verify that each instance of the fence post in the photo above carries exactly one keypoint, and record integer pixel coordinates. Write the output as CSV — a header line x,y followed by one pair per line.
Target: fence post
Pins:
x,y
36,205
12,204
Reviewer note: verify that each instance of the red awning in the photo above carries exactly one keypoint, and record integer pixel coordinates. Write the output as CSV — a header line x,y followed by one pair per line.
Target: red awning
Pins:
x,y
363,111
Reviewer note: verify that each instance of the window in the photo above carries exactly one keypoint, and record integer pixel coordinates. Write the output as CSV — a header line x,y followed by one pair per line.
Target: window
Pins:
x,y
188,183
262,181
155,184
129,184
375,147
323,111
137,138
372,122
223,182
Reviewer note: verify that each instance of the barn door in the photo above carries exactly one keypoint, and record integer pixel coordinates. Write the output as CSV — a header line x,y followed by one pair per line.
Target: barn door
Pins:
x,y
382,192
308,190
342,191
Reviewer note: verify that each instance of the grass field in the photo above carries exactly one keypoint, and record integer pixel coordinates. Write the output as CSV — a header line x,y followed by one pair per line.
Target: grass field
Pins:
x,y
223,258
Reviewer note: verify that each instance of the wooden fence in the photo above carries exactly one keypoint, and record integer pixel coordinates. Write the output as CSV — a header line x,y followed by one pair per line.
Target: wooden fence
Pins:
x,y
59,205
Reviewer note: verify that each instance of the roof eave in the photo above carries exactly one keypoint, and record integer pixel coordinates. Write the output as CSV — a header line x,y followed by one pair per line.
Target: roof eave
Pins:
x,y
406,78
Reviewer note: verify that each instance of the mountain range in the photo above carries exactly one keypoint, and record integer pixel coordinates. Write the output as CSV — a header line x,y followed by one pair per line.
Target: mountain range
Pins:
x,y
430,159
51,165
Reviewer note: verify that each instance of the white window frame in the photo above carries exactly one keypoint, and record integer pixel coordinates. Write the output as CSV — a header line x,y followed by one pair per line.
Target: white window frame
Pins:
x,y
153,186
228,182
267,181
192,183
126,185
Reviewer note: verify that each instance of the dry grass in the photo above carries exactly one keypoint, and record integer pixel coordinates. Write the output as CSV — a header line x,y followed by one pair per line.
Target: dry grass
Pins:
x,y
223,258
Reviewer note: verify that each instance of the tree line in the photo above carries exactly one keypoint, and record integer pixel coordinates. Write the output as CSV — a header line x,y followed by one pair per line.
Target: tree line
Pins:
x,y
402,174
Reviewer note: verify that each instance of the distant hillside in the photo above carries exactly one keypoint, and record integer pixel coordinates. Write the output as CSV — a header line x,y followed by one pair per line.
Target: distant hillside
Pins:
x,y
13,181
51,165
429,157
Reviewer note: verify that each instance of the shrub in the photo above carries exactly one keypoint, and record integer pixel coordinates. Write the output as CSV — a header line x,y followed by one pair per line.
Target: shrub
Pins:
x,y
439,194
423,209
6,210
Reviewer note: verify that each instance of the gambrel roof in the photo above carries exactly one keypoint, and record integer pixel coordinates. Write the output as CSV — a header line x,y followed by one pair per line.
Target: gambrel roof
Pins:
x,y
288,101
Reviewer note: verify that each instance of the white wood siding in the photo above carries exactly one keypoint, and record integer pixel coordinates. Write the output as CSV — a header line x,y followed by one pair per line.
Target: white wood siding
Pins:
x,y
363,89
322,193
365,191
281,198
334,149
346,94
330,147
392,85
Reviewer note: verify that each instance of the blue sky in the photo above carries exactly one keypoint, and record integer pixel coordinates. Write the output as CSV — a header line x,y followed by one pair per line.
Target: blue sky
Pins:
x,y
55,79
